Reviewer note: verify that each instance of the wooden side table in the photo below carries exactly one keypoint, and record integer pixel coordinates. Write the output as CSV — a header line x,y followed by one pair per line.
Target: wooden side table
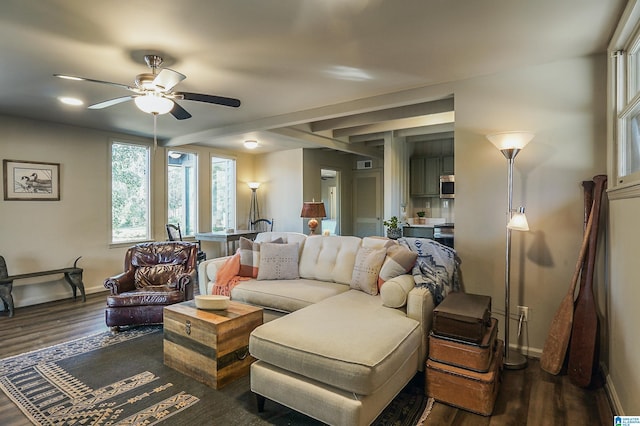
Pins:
x,y
210,346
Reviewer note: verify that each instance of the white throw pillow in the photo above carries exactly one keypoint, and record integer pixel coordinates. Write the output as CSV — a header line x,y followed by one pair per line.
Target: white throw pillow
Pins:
x,y
366,269
278,262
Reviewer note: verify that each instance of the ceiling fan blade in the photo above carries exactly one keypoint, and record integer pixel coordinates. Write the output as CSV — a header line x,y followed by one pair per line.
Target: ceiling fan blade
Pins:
x,y
167,78
178,112
220,100
91,80
110,102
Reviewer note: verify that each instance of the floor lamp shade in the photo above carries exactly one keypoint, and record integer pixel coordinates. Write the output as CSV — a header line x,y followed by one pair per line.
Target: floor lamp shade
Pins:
x,y
313,210
510,144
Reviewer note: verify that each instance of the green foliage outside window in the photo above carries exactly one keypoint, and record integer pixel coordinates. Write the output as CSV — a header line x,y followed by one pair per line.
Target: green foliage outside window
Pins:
x,y
129,192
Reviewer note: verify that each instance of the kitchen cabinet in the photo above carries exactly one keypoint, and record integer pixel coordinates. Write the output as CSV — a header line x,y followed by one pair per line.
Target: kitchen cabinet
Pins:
x,y
425,175
448,165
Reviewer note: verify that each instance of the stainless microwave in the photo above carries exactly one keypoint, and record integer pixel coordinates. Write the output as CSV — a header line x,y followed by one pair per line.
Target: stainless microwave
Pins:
x,y
447,186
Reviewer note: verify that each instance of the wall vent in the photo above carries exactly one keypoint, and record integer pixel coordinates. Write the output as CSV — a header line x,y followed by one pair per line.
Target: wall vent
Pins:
x,y
366,164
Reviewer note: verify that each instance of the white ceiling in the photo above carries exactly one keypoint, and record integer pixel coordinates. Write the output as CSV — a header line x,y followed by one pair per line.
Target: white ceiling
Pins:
x,y
290,62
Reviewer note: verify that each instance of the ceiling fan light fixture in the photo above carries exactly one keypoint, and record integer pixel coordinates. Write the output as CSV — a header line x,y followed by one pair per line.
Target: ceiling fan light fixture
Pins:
x,y
152,103
250,144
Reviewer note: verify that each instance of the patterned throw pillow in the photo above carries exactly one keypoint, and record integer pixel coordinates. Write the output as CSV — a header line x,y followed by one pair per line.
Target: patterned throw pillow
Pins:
x,y
399,261
278,262
250,256
366,269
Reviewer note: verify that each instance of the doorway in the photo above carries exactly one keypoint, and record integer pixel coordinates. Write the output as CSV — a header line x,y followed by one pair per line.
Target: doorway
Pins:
x,y
330,187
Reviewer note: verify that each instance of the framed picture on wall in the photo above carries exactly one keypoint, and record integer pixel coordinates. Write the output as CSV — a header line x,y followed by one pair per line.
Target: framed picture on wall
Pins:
x,y
31,180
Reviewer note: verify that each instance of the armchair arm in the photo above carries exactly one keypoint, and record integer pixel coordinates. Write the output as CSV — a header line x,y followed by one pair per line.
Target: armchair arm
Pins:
x,y
121,282
184,283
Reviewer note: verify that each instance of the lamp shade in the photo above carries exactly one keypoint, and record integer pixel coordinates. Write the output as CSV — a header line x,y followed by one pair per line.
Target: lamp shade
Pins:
x,y
153,103
254,185
313,210
518,221
510,140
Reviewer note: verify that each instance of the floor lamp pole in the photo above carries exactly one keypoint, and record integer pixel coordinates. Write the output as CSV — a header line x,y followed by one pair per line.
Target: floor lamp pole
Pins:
x,y
254,212
513,360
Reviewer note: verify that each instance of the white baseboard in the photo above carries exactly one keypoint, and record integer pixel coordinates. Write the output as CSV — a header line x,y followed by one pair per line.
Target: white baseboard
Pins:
x,y
47,293
611,393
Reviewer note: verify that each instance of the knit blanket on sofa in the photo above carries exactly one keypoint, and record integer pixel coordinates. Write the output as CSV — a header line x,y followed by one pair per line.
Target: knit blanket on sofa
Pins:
x,y
436,267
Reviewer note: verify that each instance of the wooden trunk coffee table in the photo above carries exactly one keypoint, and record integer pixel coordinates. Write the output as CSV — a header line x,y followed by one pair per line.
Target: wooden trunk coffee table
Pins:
x,y
209,346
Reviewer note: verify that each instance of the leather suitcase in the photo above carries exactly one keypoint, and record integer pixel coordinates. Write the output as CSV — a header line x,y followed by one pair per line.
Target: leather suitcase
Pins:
x,y
469,390
463,316
464,354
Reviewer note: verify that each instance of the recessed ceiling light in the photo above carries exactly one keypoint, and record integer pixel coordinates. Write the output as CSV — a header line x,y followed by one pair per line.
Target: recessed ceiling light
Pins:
x,y
70,101
251,144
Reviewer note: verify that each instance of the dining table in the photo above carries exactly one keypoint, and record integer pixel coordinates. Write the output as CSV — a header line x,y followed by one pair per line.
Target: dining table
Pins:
x,y
227,237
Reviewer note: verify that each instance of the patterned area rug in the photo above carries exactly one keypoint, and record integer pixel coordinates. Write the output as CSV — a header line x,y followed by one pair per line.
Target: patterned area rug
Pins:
x,y
120,379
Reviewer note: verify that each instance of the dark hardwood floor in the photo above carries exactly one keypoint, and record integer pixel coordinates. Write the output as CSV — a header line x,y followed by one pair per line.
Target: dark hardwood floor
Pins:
x,y
527,397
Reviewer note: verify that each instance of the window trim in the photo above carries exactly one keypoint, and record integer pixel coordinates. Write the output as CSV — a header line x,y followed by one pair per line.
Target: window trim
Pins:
x,y
147,146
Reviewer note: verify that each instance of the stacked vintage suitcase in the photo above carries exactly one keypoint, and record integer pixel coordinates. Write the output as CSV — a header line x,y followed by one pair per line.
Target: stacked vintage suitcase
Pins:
x,y
465,355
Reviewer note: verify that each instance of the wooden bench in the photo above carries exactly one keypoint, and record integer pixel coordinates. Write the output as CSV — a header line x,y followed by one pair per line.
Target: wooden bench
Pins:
x,y
72,275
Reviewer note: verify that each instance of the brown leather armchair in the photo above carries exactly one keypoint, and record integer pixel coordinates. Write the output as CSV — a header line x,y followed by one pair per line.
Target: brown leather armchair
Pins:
x,y
155,275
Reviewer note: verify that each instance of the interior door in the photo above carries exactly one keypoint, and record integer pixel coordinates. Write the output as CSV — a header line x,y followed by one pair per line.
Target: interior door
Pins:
x,y
367,203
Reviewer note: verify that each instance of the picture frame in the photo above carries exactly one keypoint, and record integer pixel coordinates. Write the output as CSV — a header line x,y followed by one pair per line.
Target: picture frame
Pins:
x,y
31,181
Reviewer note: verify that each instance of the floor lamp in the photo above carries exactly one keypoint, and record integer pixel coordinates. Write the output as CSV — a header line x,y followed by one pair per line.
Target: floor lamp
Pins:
x,y
510,144
254,210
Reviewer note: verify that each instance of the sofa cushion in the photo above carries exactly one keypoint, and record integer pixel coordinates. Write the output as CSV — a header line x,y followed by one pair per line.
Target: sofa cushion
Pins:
x,y
366,269
152,295
151,254
349,341
158,274
285,295
278,262
395,291
329,258
250,256
399,261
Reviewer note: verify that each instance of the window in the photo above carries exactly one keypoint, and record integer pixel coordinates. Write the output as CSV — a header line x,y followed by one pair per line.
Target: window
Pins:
x,y
223,194
182,178
624,71
130,170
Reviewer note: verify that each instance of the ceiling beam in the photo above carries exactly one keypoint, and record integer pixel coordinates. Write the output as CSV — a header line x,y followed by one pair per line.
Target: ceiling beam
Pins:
x,y
404,123
328,142
402,112
374,103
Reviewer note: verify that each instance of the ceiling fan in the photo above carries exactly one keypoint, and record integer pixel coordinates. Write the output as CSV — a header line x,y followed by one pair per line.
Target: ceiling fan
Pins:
x,y
153,92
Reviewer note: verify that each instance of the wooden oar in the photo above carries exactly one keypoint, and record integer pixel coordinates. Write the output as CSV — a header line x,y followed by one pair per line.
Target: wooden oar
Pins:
x,y
585,324
555,347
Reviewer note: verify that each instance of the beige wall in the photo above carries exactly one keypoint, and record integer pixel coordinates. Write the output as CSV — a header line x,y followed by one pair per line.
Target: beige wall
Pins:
x,y
563,104
43,235
623,296
281,188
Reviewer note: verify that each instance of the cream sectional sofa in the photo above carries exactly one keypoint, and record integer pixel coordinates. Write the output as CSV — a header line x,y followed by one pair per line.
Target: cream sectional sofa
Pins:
x,y
328,349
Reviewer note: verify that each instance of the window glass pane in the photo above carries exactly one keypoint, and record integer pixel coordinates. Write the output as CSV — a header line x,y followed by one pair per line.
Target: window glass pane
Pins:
x,y
129,192
183,191
223,194
631,156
